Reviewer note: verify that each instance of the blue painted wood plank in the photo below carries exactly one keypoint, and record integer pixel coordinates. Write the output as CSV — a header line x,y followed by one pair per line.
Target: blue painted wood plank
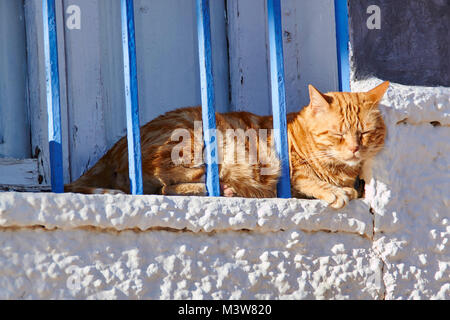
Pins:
x,y
131,97
53,99
207,95
278,95
342,41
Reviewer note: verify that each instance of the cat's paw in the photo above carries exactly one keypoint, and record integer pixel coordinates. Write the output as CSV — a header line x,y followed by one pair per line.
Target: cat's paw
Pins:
x,y
351,192
228,191
338,198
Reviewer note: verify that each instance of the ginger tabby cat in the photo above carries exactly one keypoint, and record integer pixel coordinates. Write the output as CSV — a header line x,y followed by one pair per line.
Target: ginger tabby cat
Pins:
x,y
329,140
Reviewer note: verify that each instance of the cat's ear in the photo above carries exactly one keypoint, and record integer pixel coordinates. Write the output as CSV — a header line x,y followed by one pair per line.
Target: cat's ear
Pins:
x,y
376,94
318,101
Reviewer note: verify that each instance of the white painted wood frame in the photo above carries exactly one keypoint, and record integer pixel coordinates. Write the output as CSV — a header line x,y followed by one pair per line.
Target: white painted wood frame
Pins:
x,y
34,173
92,100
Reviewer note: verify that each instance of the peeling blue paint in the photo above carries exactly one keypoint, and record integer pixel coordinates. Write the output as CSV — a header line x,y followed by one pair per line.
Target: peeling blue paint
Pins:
x,y
342,43
278,95
131,97
53,98
208,99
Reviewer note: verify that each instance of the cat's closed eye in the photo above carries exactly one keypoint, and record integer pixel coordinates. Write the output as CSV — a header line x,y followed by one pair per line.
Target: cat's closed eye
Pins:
x,y
366,136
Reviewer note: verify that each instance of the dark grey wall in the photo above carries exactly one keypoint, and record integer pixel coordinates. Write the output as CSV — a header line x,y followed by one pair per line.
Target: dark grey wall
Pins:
x,y
412,46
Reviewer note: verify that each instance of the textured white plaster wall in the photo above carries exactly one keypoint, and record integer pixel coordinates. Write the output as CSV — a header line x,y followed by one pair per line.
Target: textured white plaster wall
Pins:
x,y
171,265
393,245
75,246
410,192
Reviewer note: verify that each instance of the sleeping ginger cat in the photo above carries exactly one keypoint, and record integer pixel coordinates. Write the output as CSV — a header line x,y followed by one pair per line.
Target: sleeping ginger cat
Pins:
x,y
329,140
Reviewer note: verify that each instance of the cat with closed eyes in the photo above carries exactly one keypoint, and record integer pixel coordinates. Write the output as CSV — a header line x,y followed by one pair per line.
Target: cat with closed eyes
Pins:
x,y
329,141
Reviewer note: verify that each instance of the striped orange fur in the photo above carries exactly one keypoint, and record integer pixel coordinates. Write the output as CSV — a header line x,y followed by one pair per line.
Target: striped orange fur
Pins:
x,y
329,141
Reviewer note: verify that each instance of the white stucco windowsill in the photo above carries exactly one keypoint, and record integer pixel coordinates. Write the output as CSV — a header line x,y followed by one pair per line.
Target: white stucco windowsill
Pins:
x,y
195,214
66,246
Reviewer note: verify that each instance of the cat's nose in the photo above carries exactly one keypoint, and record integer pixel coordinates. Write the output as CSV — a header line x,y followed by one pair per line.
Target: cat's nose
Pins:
x,y
354,149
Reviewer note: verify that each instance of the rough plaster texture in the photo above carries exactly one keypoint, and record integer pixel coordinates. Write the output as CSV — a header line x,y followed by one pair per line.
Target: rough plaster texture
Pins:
x,y
392,245
182,265
160,247
410,192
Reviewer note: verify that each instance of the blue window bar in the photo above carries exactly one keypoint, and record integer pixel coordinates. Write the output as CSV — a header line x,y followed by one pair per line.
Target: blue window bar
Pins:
x,y
131,97
207,95
342,40
53,101
278,95
207,91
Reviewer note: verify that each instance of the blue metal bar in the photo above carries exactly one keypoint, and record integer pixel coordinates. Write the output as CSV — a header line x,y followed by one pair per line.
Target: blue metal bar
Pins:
x,y
207,93
342,40
131,97
278,95
53,102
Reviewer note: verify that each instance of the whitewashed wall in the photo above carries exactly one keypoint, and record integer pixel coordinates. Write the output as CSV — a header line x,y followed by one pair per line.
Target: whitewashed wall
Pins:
x,y
128,247
409,192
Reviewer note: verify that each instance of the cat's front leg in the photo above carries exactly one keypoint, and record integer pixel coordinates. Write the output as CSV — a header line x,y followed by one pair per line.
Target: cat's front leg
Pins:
x,y
336,197
184,189
227,191
194,189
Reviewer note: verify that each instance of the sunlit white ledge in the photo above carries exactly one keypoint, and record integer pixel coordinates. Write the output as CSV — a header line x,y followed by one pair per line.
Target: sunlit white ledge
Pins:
x,y
411,104
196,214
